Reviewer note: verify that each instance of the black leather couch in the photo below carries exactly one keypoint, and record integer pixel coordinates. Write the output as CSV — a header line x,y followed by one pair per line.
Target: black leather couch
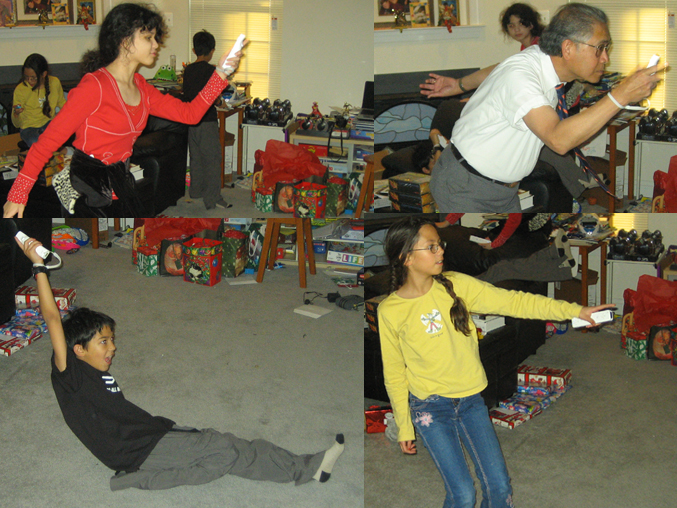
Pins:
x,y
15,267
161,150
544,182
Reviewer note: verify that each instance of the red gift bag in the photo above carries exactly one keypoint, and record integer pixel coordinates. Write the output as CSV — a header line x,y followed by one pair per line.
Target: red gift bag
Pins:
x,y
202,261
655,302
310,200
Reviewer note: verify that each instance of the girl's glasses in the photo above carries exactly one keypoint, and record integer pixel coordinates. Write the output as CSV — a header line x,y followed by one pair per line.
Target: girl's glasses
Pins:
x,y
31,79
435,247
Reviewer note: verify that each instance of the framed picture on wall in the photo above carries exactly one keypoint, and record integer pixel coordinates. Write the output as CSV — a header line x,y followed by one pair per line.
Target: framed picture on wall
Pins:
x,y
420,13
60,13
7,13
30,10
84,12
446,13
384,10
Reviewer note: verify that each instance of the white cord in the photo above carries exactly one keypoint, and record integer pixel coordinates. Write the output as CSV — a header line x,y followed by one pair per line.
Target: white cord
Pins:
x,y
633,108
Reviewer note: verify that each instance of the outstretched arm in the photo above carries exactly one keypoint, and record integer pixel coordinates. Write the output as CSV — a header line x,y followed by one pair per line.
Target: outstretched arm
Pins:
x,y
50,312
443,86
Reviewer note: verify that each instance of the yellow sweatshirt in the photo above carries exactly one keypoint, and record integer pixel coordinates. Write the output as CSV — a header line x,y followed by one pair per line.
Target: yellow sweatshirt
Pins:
x,y
425,355
32,100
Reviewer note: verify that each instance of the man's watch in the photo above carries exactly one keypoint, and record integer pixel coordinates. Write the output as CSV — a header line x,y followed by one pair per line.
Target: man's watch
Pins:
x,y
39,269
437,148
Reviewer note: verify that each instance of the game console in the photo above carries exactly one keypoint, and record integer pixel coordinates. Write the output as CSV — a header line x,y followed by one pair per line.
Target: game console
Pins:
x,y
599,317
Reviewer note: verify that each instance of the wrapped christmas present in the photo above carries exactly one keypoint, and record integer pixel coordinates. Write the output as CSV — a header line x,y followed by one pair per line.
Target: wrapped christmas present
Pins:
x,y
27,297
508,418
544,376
147,261
375,418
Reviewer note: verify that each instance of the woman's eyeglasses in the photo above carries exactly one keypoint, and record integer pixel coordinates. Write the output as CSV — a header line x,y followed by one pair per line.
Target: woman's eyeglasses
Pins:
x,y
31,79
435,247
605,46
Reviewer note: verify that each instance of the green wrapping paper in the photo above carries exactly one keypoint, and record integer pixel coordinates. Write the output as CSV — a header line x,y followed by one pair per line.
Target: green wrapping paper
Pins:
x,y
264,200
147,261
235,252
635,348
337,196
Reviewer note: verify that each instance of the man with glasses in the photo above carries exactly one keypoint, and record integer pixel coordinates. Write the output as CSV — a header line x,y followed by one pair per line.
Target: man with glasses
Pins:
x,y
498,138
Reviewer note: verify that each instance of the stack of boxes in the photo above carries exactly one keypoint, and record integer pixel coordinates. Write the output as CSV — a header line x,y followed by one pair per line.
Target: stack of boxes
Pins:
x,y
410,192
537,388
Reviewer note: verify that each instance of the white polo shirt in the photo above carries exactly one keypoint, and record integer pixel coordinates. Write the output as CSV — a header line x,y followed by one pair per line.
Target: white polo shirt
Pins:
x,y
491,133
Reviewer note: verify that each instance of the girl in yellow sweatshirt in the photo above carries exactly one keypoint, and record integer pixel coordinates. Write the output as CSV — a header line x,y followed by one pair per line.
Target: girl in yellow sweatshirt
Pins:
x,y
431,362
36,98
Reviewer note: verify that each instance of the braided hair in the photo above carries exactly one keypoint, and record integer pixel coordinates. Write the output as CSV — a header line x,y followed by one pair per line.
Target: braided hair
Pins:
x,y
399,242
39,65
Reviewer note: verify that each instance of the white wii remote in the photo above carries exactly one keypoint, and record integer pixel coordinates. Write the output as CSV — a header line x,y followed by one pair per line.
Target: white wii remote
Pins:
x,y
654,61
602,316
41,251
239,43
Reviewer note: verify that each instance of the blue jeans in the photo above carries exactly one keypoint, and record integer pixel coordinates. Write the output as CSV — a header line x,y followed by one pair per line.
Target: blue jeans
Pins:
x,y
31,134
445,425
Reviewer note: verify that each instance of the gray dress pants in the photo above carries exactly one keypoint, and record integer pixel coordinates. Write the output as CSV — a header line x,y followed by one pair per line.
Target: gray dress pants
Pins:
x,y
457,190
183,457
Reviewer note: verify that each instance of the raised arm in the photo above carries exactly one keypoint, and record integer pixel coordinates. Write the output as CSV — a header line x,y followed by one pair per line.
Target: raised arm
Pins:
x,y
50,312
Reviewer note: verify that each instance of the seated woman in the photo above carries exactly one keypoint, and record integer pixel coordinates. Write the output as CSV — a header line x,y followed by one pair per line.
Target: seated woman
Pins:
x,y
36,99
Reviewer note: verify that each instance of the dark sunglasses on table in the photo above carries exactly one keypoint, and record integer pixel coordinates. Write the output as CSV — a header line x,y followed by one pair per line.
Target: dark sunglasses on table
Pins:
x,y
435,247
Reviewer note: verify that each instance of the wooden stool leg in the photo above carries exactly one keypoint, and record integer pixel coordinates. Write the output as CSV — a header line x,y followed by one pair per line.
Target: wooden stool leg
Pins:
x,y
264,252
95,233
300,250
308,233
274,237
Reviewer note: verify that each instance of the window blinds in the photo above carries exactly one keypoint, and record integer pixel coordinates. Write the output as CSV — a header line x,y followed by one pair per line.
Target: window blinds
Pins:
x,y
638,30
261,22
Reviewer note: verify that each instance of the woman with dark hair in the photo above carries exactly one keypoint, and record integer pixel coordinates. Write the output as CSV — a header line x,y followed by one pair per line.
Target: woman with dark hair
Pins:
x,y
107,111
36,98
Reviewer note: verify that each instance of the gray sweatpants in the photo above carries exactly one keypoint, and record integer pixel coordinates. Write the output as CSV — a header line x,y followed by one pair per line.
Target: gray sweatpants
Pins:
x,y
194,458
205,162
457,190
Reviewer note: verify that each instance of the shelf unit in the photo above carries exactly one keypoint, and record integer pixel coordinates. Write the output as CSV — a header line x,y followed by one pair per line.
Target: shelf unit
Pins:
x,y
343,165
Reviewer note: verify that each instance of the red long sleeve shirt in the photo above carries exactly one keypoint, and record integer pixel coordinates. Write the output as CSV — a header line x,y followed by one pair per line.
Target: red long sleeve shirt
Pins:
x,y
104,126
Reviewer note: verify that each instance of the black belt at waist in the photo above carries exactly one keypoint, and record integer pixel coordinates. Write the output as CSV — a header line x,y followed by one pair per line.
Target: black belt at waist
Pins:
x,y
473,171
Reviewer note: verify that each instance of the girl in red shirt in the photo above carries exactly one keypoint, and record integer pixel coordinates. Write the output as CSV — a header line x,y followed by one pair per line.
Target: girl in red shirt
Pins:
x,y
107,111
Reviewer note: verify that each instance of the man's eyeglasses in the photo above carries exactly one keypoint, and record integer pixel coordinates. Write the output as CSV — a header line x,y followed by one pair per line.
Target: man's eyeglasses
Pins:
x,y
435,247
604,46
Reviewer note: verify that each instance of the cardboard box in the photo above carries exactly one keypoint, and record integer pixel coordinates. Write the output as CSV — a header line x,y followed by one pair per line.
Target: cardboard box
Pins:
x,y
9,144
410,183
570,290
667,265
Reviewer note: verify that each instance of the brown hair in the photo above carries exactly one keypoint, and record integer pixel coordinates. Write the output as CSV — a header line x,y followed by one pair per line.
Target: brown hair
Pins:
x,y
400,240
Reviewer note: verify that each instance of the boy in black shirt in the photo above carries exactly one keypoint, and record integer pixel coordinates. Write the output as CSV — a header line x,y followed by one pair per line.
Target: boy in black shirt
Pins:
x,y
203,138
148,452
